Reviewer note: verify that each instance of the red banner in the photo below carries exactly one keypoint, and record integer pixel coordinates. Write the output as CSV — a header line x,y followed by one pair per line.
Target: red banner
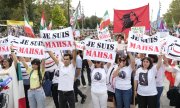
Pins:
x,y
125,19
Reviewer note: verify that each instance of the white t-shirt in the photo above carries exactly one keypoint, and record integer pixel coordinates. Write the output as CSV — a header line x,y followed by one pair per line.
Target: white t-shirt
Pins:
x,y
66,77
138,63
56,76
146,81
78,65
160,76
98,80
110,80
123,82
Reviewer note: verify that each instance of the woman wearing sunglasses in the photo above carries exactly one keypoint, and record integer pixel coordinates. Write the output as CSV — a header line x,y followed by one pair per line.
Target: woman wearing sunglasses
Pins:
x,y
122,75
98,84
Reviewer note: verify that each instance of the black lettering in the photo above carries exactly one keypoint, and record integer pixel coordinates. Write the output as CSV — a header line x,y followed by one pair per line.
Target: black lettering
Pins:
x,y
46,35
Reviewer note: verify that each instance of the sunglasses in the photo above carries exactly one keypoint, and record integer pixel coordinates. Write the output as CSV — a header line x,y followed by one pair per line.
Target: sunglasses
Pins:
x,y
122,60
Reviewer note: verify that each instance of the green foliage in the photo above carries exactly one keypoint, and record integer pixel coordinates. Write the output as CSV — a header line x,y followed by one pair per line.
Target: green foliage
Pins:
x,y
58,18
173,12
90,22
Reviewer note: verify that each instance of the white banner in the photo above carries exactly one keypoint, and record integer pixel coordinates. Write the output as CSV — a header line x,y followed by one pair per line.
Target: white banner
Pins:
x,y
4,47
80,45
100,50
30,47
104,34
58,39
172,48
145,44
138,31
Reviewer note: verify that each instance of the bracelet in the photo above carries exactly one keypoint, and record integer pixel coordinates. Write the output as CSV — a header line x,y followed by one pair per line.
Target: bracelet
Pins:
x,y
12,51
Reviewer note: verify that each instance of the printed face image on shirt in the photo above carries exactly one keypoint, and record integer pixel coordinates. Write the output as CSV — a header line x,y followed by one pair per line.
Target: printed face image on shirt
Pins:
x,y
56,73
98,76
143,79
122,74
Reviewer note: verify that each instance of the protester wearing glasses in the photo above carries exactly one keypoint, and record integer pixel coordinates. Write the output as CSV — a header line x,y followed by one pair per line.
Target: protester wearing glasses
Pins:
x,y
122,75
66,79
98,84
145,83
36,95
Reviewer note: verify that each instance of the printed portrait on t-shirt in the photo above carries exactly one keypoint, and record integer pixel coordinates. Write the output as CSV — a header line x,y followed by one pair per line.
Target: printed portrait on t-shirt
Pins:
x,y
143,79
56,73
97,76
122,74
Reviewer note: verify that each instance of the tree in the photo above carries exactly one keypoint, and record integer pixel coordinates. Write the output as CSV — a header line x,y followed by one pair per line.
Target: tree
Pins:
x,y
90,22
58,18
173,12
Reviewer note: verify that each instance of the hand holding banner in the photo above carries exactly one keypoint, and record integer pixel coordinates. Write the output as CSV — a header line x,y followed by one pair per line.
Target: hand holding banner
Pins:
x,y
100,50
58,39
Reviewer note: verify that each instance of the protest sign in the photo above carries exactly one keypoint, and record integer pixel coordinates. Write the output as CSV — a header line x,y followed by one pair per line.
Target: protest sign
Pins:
x,y
76,33
13,41
104,34
145,44
4,47
58,39
30,47
172,48
163,40
100,50
138,31
80,45
121,47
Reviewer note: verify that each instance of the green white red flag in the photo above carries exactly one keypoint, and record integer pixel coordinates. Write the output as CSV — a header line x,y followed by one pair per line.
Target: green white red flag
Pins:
x,y
50,26
43,22
105,21
41,2
27,28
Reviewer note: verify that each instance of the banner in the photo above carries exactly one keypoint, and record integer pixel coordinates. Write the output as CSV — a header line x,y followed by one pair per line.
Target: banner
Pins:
x,y
4,47
30,47
145,44
125,19
104,34
80,45
58,39
100,50
138,31
19,23
172,48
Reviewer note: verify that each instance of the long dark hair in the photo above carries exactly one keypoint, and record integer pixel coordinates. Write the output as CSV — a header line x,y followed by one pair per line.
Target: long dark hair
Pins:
x,y
150,61
38,62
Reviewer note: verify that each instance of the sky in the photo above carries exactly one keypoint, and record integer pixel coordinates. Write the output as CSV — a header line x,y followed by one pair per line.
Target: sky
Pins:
x,y
98,7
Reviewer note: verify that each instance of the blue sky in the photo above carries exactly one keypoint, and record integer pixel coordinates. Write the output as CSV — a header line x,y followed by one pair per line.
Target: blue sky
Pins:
x,y
98,7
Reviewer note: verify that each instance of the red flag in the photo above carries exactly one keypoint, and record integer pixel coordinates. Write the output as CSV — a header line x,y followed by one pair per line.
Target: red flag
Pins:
x,y
125,19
